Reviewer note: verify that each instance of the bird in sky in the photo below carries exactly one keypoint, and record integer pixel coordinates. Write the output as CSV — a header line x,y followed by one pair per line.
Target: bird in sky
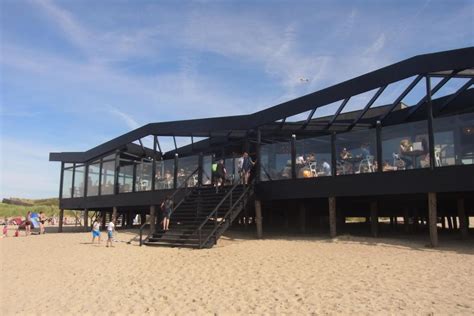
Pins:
x,y
303,79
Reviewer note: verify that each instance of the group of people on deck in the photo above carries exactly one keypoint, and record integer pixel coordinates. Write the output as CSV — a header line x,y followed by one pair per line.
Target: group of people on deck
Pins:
x,y
244,166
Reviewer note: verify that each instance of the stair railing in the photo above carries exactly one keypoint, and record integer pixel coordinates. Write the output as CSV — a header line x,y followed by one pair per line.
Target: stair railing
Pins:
x,y
182,186
227,218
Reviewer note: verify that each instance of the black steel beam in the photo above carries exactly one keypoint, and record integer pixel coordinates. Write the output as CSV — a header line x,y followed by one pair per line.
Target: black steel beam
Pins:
x,y
400,98
455,95
367,107
310,116
436,88
339,110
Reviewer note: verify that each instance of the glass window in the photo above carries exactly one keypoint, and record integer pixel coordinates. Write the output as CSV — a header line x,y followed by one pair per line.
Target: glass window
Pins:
x,y
275,161
108,177
454,140
109,157
144,175
313,157
187,165
79,177
125,176
229,167
405,146
93,175
164,174
67,180
356,152
207,170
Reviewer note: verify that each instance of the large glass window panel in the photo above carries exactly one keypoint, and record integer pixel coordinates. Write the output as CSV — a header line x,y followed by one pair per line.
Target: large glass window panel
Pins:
x,y
67,181
405,146
275,162
186,166
313,157
79,177
356,152
229,167
108,177
93,175
454,140
144,175
125,176
164,174
206,170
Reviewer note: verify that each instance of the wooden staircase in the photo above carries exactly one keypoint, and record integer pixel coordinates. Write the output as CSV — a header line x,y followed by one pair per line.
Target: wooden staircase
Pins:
x,y
202,217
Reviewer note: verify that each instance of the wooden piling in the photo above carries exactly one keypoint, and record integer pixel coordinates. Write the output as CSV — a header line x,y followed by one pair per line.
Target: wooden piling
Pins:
x,y
61,219
302,218
406,222
433,218
332,216
86,220
374,219
258,218
114,215
152,219
463,219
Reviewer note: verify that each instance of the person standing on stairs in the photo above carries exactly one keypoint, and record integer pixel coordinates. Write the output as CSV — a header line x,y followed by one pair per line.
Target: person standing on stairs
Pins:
x,y
167,209
247,165
221,174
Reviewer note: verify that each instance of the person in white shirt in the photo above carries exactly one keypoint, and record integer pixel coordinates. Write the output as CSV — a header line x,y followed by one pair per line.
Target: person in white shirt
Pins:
x,y
326,168
96,230
110,233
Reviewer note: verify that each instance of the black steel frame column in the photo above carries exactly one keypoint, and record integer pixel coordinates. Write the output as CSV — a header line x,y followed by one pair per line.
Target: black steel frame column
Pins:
x,y
61,181
73,188
259,156
293,156
117,169
175,178
99,189
430,123
134,182
86,179
153,166
378,136
333,154
201,168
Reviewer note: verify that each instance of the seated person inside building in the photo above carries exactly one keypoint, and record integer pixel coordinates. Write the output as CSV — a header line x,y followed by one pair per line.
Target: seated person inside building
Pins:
x,y
345,167
405,146
286,172
325,168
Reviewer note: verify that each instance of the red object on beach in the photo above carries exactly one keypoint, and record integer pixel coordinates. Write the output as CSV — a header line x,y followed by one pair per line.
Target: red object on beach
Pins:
x,y
16,221
17,233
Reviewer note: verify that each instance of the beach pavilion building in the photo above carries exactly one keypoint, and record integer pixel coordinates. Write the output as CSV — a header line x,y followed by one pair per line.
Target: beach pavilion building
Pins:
x,y
394,143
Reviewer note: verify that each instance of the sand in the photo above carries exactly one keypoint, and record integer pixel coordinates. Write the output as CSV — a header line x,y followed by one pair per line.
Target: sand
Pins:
x,y
65,274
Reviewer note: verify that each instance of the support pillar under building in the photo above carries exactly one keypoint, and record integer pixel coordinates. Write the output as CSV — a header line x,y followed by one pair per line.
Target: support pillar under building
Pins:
x,y
463,219
61,220
332,216
374,219
433,218
86,220
152,219
258,218
302,218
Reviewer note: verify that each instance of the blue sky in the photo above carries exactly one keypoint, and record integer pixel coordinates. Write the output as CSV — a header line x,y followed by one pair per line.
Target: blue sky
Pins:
x,y
74,74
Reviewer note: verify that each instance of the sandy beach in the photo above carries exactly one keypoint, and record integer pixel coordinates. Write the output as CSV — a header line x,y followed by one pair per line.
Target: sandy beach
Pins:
x,y
65,274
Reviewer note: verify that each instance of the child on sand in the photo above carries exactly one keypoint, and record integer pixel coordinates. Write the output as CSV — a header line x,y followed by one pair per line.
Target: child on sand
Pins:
x,y
110,233
5,230
96,230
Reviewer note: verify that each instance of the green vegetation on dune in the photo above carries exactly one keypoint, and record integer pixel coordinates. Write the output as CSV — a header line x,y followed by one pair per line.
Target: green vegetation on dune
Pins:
x,y
49,206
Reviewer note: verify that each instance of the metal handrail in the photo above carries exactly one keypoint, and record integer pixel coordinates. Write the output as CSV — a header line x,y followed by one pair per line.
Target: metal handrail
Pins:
x,y
178,189
141,232
218,206
227,214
